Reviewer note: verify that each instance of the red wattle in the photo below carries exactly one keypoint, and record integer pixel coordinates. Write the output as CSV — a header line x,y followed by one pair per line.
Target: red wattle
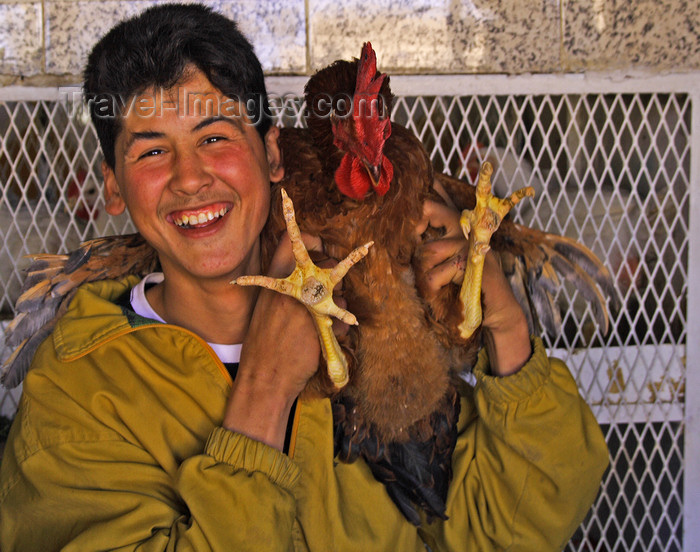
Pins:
x,y
386,177
352,178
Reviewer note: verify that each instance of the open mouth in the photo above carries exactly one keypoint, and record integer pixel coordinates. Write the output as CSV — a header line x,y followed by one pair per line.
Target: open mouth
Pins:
x,y
200,217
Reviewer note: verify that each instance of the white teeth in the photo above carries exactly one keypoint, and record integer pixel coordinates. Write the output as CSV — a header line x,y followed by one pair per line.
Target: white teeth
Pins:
x,y
201,218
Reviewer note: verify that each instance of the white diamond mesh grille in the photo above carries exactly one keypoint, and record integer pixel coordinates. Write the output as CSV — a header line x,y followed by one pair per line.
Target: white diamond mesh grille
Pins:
x,y
612,170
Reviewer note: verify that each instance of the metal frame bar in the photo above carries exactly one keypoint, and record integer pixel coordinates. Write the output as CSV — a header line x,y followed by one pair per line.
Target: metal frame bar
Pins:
x,y
451,85
691,455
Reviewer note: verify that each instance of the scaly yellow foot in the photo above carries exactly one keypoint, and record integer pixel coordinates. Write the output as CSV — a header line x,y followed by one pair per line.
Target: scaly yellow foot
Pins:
x,y
313,286
479,225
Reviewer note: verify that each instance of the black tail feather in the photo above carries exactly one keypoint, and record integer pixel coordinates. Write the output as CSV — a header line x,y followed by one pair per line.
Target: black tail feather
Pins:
x,y
416,473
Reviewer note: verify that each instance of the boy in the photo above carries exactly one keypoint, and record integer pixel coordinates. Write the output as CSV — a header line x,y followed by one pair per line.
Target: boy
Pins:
x,y
157,414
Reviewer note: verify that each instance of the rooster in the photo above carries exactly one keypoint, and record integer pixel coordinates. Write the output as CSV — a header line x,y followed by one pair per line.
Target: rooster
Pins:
x,y
353,178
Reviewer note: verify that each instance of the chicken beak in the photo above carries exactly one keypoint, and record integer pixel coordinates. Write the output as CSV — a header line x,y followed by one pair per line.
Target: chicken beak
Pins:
x,y
375,173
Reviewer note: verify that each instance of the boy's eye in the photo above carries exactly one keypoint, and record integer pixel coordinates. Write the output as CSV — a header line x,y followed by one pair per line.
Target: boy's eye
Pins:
x,y
150,153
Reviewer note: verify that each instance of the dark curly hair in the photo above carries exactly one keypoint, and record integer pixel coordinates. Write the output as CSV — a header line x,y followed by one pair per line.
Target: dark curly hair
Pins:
x,y
154,49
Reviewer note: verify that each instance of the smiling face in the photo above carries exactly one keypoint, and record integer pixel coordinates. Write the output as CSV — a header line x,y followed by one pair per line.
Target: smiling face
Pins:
x,y
195,177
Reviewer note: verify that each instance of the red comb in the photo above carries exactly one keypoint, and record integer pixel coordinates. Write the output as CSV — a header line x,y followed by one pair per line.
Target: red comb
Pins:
x,y
366,71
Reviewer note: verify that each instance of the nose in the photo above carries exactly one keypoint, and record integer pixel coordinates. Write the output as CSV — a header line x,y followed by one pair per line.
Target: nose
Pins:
x,y
190,175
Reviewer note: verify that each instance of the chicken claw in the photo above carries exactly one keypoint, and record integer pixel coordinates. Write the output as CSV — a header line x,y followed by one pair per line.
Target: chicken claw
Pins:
x,y
479,225
313,286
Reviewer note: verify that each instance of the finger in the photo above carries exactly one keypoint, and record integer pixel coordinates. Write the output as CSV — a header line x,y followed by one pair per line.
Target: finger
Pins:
x,y
439,215
450,271
494,281
495,288
283,262
312,243
501,308
440,190
437,252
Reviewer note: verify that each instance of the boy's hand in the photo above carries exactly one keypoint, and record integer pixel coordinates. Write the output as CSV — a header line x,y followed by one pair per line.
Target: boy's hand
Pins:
x,y
280,354
504,325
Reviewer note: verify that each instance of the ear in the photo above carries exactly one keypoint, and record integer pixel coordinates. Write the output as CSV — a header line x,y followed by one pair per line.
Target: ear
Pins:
x,y
114,203
274,154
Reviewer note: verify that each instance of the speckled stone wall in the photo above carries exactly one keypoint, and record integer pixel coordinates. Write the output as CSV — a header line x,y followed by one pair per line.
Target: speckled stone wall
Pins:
x,y
46,42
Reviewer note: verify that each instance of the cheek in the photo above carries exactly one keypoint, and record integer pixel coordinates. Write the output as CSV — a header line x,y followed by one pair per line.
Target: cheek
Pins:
x,y
140,194
251,183
141,197
262,206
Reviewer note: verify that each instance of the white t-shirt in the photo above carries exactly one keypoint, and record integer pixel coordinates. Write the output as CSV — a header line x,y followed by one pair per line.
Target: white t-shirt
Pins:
x,y
141,306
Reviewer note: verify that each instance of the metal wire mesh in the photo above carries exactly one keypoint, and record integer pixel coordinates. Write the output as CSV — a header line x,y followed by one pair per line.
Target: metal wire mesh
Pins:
x,y
51,197
611,170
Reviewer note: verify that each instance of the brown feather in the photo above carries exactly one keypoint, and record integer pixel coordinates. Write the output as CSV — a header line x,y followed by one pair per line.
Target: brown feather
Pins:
x,y
51,283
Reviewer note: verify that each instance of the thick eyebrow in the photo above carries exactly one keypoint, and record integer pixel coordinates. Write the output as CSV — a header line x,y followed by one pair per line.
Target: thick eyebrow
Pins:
x,y
135,136
150,134
234,121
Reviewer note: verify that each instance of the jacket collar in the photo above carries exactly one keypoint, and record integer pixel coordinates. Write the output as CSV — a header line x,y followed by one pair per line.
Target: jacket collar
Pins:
x,y
96,315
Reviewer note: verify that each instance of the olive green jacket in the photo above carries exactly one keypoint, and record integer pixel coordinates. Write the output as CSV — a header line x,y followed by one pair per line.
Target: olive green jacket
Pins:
x,y
117,445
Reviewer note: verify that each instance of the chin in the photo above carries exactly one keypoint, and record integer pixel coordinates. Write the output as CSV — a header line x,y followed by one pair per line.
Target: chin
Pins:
x,y
230,267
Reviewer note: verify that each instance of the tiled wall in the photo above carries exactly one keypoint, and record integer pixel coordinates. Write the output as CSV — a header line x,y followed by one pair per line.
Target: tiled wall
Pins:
x,y
46,42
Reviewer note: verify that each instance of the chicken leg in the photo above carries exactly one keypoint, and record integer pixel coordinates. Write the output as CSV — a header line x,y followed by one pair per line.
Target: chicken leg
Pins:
x,y
313,286
478,226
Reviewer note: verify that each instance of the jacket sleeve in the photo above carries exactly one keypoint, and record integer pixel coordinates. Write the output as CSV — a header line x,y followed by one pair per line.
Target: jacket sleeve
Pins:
x,y
99,495
528,462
